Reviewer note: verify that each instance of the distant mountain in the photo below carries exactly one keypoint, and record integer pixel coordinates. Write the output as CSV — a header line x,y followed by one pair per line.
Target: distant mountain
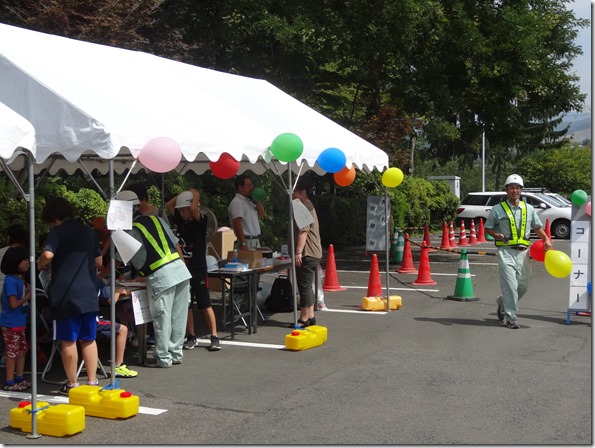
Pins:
x,y
580,126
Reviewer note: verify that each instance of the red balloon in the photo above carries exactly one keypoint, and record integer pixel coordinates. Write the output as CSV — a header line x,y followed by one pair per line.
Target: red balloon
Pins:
x,y
537,251
226,167
345,177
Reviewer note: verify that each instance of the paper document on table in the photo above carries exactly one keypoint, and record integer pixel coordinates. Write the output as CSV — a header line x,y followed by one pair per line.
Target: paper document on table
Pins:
x,y
140,305
126,245
301,214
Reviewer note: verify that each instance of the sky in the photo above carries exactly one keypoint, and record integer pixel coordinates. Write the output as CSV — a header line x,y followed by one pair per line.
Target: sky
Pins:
x,y
582,64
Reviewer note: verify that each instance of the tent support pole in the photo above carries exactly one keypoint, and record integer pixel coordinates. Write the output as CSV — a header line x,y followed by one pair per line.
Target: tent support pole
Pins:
x,y
386,225
112,276
30,198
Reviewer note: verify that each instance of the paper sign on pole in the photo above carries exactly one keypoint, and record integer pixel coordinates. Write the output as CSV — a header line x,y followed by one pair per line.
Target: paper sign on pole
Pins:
x,y
301,214
119,215
126,245
140,305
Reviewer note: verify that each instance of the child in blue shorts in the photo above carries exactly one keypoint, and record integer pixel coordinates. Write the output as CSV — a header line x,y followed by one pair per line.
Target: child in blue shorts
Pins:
x,y
13,318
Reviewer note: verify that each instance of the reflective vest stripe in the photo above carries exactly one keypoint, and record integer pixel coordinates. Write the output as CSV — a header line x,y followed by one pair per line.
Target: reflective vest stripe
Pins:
x,y
164,252
515,239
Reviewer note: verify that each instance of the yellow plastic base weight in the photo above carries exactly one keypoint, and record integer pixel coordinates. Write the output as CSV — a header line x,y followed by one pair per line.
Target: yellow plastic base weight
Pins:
x,y
379,303
306,338
105,403
58,421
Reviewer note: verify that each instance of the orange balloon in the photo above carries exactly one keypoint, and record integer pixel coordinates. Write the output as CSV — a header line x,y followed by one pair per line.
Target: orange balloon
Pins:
x,y
345,177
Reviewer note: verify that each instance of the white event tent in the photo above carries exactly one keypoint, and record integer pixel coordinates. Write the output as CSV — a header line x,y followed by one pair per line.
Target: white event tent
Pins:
x,y
90,102
94,107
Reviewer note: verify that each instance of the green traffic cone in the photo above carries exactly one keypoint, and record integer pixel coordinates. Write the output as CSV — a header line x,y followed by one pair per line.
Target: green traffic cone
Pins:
x,y
393,246
398,258
464,286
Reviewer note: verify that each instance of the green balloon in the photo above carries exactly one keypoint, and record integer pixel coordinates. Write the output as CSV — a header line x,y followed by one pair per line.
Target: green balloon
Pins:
x,y
287,147
578,197
258,194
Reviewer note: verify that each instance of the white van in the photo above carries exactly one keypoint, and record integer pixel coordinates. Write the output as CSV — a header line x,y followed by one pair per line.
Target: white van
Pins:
x,y
478,205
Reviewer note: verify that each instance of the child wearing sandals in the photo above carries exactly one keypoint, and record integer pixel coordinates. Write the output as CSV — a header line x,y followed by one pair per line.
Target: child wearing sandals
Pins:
x,y
13,318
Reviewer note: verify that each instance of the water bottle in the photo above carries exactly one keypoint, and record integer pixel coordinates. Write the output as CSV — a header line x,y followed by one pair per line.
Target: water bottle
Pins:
x,y
235,256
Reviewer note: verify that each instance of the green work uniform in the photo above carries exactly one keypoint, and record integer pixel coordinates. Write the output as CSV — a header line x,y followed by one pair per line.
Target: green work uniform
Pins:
x,y
514,268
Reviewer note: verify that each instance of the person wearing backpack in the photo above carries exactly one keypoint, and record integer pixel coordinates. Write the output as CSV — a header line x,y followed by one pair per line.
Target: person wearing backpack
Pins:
x,y
308,253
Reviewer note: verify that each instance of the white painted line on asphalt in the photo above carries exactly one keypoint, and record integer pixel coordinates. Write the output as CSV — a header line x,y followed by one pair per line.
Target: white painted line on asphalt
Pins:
x,y
64,400
398,289
244,344
369,313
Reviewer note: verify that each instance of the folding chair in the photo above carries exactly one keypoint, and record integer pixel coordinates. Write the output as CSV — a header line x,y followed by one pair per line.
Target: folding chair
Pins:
x,y
55,349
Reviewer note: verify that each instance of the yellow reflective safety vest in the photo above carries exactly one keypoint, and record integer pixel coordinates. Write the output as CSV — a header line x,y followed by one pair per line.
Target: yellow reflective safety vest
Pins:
x,y
160,249
517,238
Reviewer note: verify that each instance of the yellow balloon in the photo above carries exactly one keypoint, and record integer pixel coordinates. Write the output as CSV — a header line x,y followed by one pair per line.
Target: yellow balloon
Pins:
x,y
557,263
392,177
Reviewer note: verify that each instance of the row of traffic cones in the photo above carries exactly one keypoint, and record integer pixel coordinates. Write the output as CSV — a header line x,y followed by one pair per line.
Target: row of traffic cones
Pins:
x,y
448,235
463,287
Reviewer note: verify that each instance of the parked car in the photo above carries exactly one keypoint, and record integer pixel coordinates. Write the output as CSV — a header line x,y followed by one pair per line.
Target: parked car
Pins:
x,y
478,205
564,201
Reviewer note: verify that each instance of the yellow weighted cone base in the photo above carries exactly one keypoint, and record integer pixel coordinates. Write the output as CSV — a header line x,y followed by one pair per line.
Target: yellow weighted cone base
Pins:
x,y
379,303
104,403
305,338
57,421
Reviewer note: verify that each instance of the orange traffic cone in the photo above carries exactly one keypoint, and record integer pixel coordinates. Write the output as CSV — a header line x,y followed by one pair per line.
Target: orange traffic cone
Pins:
x,y
424,277
548,231
374,286
331,282
451,236
481,237
462,235
427,238
445,245
473,236
407,263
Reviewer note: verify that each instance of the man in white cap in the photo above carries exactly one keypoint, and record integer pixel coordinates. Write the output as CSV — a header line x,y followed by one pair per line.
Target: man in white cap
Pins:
x,y
510,224
191,226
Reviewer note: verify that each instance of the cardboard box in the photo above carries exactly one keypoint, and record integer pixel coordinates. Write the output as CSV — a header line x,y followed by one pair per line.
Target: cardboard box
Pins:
x,y
221,243
252,258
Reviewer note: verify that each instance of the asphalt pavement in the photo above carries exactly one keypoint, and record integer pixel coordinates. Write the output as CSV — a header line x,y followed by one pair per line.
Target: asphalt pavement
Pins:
x,y
436,371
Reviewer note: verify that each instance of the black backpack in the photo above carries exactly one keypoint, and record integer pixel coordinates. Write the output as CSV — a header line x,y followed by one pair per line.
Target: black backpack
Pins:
x,y
280,300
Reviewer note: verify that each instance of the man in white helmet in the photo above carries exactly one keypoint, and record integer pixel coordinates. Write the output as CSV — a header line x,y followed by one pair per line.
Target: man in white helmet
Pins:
x,y
160,260
510,224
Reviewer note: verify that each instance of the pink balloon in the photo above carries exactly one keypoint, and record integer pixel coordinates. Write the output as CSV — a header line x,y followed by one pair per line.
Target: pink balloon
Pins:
x,y
225,167
588,208
537,251
161,154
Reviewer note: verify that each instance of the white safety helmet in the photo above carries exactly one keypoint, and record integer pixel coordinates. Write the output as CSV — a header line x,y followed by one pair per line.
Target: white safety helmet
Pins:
x,y
212,264
184,199
127,195
514,179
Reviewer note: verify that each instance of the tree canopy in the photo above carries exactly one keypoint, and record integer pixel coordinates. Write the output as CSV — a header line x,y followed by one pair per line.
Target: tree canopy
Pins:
x,y
392,71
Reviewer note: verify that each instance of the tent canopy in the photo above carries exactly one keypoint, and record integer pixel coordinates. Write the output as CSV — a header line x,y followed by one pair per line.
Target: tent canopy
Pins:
x,y
15,133
92,102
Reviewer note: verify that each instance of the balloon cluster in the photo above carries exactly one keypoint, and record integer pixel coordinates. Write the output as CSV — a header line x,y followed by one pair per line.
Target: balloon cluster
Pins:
x,y
226,167
161,154
288,147
557,263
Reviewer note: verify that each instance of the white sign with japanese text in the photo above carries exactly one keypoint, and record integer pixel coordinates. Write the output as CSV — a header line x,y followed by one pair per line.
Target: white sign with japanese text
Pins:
x,y
580,254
